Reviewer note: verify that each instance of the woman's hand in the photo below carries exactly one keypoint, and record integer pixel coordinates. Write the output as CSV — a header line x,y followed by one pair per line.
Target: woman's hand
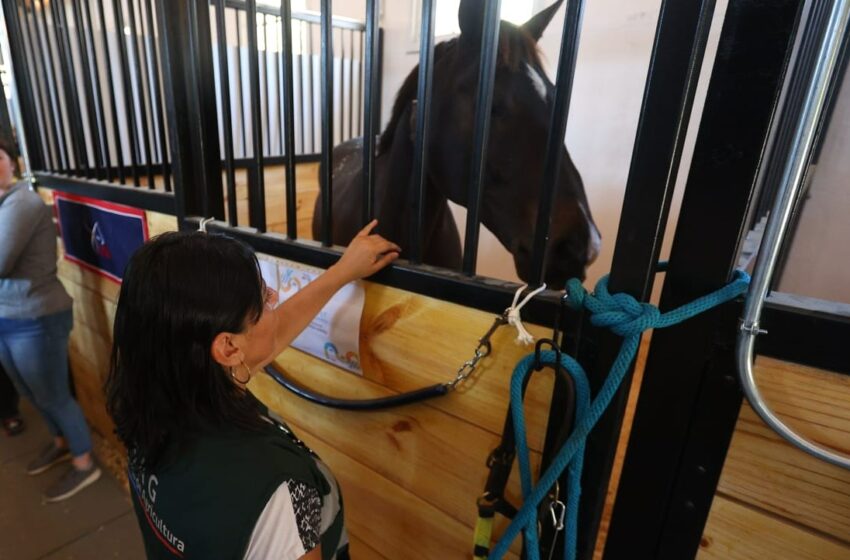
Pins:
x,y
366,254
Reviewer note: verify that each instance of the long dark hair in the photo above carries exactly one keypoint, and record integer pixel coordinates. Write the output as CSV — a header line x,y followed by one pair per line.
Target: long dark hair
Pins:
x,y
180,291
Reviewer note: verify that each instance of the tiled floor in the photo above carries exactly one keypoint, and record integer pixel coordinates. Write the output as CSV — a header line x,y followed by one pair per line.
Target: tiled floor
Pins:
x,y
97,523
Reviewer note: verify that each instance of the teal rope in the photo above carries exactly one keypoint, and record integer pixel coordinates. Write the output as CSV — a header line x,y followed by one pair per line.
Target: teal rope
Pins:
x,y
629,318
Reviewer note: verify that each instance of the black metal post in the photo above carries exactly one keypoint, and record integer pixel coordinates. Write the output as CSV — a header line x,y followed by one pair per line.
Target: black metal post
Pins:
x,y
326,179
370,88
106,173
689,400
113,103
24,85
129,109
189,80
138,58
423,118
289,118
256,180
486,81
88,91
227,120
555,142
157,100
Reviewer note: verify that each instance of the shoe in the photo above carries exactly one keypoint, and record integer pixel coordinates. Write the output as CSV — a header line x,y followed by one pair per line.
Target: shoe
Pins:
x,y
51,456
72,482
13,426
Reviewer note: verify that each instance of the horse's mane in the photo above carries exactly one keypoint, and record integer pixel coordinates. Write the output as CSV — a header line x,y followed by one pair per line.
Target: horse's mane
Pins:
x,y
516,47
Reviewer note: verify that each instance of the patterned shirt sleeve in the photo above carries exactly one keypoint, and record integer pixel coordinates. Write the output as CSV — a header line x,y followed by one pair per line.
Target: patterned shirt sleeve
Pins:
x,y
308,513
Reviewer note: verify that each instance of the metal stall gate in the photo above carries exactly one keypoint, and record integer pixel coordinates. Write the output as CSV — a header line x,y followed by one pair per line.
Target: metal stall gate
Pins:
x,y
159,104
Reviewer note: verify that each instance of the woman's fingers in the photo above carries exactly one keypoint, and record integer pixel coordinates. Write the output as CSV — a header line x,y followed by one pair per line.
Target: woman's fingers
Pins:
x,y
384,261
368,229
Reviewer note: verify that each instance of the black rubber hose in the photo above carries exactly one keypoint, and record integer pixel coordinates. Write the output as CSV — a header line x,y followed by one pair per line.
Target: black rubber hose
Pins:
x,y
357,404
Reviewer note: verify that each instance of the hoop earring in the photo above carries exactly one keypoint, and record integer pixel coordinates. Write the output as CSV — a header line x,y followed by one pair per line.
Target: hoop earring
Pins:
x,y
241,382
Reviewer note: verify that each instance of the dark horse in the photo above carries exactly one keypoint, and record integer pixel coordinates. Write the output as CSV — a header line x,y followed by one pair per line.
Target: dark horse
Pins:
x,y
522,102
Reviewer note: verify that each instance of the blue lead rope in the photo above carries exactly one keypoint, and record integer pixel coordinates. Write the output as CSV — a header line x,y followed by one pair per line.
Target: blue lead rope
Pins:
x,y
624,316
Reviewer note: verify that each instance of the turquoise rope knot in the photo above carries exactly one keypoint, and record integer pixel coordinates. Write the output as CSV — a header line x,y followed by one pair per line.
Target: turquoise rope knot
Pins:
x,y
627,317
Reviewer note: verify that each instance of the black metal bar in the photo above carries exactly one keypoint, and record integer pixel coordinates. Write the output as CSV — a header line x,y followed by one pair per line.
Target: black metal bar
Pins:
x,y
24,85
326,178
256,182
106,172
153,201
423,118
370,88
189,80
350,86
240,86
227,120
486,81
281,95
50,96
311,93
51,142
448,286
689,399
555,143
137,38
289,118
302,82
266,119
73,106
129,109
157,98
113,103
35,126
88,91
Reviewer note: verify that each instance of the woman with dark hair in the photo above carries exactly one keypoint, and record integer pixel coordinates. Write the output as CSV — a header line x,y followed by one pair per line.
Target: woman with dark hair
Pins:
x,y
35,322
215,474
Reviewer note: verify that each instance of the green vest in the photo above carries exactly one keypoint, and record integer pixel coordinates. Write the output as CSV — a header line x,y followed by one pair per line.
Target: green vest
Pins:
x,y
204,502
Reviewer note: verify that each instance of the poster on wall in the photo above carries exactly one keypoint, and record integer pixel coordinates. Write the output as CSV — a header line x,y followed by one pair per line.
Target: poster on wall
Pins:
x,y
334,335
97,235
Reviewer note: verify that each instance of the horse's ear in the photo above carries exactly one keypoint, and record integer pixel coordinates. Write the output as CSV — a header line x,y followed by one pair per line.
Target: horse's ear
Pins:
x,y
470,16
539,22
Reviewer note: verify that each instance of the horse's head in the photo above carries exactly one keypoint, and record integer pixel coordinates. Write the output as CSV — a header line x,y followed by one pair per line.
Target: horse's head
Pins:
x,y
520,119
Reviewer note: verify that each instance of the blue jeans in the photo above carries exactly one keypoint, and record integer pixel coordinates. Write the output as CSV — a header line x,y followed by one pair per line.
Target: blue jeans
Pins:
x,y
34,353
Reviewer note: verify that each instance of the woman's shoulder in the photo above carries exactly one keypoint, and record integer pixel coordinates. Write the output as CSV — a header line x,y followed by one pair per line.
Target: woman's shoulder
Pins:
x,y
23,198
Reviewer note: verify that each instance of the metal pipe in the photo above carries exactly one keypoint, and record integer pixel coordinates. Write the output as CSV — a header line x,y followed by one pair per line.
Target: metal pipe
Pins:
x,y
256,182
792,180
555,145
227,118
486,83
289,117
327,78
423,117
370,89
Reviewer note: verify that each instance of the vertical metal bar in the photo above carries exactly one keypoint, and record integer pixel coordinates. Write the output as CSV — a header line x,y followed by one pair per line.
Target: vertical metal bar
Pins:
x,y
557,131
266,119
279,69
302,97
129,110
88,92
39,101
289,118
158,101
227,121
370,88
41,38
104,132
326,179
135,39
256,181
75,121
113,103
311,93
350,85
486,80
52,144
423,118
689,400
241,83
31,135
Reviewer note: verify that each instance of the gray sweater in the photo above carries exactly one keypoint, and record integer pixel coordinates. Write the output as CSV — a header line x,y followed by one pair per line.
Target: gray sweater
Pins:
x,y
29,287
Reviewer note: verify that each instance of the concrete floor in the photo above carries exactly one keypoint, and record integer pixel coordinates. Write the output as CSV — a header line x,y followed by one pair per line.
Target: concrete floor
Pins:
x,y
97,523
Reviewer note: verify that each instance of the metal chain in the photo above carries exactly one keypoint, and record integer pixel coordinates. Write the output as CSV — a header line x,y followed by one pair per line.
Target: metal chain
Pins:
x,y
481,351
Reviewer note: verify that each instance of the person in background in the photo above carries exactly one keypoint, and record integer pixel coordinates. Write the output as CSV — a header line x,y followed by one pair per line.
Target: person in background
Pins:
x,y
13,424
213,472
35,322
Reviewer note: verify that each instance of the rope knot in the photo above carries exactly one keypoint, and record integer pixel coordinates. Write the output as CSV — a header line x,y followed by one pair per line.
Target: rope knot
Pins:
x,y
621,313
